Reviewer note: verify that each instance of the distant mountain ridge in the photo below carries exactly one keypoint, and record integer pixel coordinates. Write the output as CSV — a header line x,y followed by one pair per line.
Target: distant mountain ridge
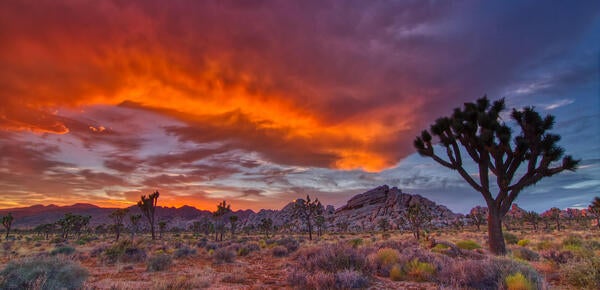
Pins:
x,y
360,210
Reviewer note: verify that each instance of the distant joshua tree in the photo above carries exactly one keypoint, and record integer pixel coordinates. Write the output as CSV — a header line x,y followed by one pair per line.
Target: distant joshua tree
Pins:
x,y
148,207
7,221
222,209
162,226
71,223
480,131
383,224
306,211
553,214
135,225
266,226
477,216
45,229
417,219
533,218
117,216
233,219
594,210
320,224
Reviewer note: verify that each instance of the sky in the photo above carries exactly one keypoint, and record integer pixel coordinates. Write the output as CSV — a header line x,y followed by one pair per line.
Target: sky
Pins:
x,y
263,102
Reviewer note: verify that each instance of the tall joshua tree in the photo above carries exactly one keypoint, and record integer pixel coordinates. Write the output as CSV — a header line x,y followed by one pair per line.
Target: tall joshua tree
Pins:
x,y
222,209
594,210
148,207
307,211
7,221
479,130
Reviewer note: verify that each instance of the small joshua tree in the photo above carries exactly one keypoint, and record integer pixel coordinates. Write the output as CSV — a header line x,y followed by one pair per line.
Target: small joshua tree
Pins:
x,y
222,209
233,219
594,210
148,207
162,226
553,214
533,218
320,224
7,221
417,219
135,225
477,216
117,216
266,226
482,134
383,224
306,211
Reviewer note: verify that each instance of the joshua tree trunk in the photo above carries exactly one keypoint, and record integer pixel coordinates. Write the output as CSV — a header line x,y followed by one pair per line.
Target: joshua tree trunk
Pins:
x,y
495,236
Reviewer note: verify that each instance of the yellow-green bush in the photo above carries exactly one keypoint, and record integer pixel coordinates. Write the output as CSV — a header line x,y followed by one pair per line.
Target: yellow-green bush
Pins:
x,y
517,281
387,256
523,242
468,245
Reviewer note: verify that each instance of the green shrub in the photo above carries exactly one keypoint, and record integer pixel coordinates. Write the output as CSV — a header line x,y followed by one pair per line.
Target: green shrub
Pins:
x,y
574,241
356,242
523,243
63,250
582,274
396,273
468,245
544,245
184,252
517,281
159,262
44,273
387,257
419,271
124,252
525,254
511,239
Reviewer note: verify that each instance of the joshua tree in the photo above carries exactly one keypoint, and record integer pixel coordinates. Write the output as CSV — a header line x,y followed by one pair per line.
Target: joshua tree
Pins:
x,y
383,224
135,225
222,209
233,224
320,224
45,229
417,219
594,210
306,211
117,216
553,214
71,223
162,225
477,216
266,226
533,218
7,221
148,207
480,131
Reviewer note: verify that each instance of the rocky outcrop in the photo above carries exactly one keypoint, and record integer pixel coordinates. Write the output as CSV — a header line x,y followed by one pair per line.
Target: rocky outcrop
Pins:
x,y
363,211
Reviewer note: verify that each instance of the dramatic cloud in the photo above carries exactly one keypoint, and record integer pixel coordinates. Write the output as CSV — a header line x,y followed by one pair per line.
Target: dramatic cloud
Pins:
x,y
251,99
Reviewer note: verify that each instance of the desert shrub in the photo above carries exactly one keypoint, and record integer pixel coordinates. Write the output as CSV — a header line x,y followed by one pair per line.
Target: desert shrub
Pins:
x,y
237,277
279,251
44,273
350,279
181,283
511,239
525,254
184,252
289,243
468,245
484,274
97,251
356,242
414,270
544,245
583,274
124,252
159,262
386,257
224,255
320,280
211,246
253,246
572,241
63,250
523,242
517,281
557,257
333,258
440,248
